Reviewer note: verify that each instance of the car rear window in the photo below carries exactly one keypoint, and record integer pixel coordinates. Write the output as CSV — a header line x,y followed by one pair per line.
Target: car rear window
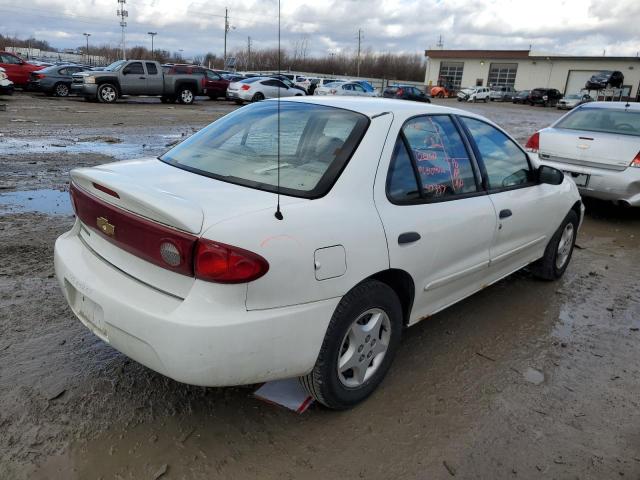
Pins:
x,y
605,120
316,142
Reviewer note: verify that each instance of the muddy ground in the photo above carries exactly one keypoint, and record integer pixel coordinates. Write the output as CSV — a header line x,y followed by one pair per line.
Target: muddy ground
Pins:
x,y
525,379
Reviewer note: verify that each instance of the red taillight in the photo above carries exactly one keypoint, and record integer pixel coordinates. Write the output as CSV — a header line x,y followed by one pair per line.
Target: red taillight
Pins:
x,y
533,144
217,262
38,75
106,190
636,161
164,246
245,87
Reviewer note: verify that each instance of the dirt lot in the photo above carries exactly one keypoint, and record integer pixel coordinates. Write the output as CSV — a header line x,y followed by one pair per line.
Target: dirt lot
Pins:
x,y
525,379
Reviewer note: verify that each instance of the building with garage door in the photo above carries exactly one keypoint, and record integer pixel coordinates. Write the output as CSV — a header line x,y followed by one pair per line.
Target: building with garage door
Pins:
x,y
526,70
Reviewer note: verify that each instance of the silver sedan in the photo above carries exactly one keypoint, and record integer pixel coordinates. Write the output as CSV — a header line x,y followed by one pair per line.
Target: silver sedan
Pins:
x,y
598,145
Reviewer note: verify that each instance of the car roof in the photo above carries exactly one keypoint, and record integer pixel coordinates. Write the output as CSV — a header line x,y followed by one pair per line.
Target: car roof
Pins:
x,y
371,106
613,106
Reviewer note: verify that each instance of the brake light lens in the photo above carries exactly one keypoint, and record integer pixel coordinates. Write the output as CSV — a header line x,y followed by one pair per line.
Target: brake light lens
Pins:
x,y
38,75
533,144
245,87
221,263
636,161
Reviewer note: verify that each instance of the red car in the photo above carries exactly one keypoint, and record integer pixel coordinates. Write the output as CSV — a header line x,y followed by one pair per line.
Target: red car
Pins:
x,y
17,69
215,86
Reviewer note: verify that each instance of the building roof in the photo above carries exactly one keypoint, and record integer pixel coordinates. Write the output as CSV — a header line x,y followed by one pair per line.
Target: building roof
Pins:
x,y
516,55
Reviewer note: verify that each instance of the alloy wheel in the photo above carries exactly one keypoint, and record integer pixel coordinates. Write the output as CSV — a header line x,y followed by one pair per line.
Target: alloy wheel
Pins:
x,y
108,94
565,245
62,90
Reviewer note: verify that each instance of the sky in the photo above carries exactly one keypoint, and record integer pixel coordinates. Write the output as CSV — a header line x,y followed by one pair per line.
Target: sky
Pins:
x,y
577,27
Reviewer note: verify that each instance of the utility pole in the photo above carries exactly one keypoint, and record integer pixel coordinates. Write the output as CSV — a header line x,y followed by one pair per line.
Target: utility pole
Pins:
x,y
440,43
152,34
248,53
122,13
226,31
86,52
359,49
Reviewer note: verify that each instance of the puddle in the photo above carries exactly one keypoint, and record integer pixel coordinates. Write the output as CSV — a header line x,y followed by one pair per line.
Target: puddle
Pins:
x,y
120,148
50,202
534,376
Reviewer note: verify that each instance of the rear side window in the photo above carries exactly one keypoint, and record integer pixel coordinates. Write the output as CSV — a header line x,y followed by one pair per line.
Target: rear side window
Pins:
x,y
602,120
315,144
506,165
151,68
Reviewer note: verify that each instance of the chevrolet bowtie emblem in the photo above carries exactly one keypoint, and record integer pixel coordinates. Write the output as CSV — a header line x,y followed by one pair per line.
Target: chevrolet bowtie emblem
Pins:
x,y
105,227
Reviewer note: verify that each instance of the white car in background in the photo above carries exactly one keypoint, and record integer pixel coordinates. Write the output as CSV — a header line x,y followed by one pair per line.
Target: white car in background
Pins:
x,y
572,100
6,85
185,264
254,89
598,144
474,94
344,88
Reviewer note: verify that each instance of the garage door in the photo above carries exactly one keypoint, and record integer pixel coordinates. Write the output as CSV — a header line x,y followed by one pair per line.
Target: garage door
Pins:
x,y
577,79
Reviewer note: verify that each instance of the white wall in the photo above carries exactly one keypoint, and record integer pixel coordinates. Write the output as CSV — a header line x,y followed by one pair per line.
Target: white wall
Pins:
x,y
538,72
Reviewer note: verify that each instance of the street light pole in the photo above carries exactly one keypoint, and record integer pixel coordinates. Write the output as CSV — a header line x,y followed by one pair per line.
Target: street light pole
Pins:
x,y
226,31
86,52
153,34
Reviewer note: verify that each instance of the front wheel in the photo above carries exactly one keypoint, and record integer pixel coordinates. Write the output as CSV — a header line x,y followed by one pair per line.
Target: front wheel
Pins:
x,y
558,253
107,93
361,341
257,97
186,96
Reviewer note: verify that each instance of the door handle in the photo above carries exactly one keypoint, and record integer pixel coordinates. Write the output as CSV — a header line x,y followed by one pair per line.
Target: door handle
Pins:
x,y
408,237
506,213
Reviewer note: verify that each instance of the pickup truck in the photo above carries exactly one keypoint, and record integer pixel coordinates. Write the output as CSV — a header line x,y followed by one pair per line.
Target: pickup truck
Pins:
x,y
137,77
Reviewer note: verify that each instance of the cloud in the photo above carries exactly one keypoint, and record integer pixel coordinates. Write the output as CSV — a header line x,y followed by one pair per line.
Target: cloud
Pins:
x,y
561,26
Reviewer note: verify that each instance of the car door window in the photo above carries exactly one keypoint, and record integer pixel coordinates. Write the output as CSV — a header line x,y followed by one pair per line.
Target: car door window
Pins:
x,y
506,165
358,88
439,158
151,68
134,68
9,59
64,71
402,184
212,75
347,87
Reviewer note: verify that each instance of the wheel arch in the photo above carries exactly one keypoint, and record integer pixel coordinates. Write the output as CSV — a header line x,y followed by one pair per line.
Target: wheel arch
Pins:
x,y
112,81
402,284
193,86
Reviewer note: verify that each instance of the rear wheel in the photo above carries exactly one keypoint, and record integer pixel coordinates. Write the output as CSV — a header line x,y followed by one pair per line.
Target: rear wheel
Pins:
x,y
61,90
107,93
257,97
361,341
186,96
558,253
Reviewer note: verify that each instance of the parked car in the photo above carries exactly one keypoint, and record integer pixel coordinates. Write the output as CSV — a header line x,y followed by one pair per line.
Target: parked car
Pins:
x,y
573,100
233,77
366,85
255,89
444,89
598,145
54,80
137,77
6,85
547,97
284,79
405,92
474,94
605,79
502,93
521,97
197,274
344,88
214,85
17,69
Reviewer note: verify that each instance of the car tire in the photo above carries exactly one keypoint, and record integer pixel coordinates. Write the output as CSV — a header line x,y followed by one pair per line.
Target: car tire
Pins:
x,y
257,97
186,96
559,250
347,338
107,93
61,89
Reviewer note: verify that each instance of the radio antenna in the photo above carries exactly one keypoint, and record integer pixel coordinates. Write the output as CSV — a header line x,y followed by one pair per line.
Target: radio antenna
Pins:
x,y
278,213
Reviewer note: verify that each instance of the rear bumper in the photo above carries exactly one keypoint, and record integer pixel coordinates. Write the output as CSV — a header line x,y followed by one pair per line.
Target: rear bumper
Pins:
x,y
208,338
617,186
6,89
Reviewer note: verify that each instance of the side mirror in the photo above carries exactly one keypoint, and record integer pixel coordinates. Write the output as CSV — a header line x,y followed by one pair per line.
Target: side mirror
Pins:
x,y
550,175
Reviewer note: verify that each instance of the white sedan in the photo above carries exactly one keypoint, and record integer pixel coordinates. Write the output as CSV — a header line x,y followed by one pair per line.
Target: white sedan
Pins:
x,y
344,88
598,145
255,89
239,257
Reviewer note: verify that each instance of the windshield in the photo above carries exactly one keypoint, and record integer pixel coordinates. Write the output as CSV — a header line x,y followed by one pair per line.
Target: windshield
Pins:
x,y
573,96
602,120
115,66
316,142
251,80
